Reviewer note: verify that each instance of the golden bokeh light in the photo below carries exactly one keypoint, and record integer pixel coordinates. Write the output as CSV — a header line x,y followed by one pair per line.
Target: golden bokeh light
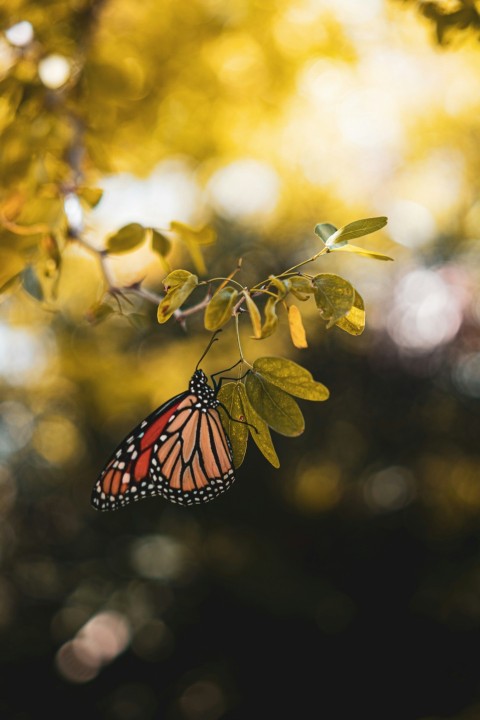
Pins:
x,y
57,440
317,487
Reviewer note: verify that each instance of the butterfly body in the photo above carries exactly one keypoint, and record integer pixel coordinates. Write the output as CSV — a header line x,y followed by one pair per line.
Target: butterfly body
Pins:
x,y
180,452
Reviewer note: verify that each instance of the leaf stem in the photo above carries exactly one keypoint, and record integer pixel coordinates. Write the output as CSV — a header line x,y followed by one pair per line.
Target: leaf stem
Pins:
x,y
135,288
237,330
224,280
323,251
181,314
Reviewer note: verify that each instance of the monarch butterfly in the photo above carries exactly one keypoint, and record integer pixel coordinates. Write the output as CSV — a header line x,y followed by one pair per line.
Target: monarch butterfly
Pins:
x,y
180,451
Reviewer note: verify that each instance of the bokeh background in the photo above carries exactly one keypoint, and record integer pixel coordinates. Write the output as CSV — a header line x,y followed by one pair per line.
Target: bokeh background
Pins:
x,y
348,580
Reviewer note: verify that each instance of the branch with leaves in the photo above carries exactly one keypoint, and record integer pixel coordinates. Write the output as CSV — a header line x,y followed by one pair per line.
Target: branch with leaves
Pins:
x,y
338,302
262,398
51,170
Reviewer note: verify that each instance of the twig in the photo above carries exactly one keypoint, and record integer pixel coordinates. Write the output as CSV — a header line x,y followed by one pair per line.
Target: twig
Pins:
x,y
181,314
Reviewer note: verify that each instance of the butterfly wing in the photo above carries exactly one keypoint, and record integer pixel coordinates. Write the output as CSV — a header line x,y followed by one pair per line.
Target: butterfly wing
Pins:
x,y
123,478
193,463
180,451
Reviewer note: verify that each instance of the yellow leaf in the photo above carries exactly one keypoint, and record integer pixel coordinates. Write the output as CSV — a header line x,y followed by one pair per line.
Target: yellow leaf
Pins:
x,y
297,331
205,235
360,251
127,238
232,420
355,229
283,286
334,297
291,377
276,407
354,321
219,309
193,239
254,313
176,295
258,428
178,277
39,213
301,286
90,195
271,320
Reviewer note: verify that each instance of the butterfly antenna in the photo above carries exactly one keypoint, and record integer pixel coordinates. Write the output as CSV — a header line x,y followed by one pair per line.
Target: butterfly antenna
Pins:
x,y
212,340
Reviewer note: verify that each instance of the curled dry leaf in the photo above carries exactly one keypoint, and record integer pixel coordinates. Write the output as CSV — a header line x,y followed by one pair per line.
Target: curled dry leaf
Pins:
x,y
295,324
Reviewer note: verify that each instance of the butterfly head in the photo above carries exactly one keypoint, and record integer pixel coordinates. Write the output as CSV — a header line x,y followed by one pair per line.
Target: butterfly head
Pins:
x,y
199,386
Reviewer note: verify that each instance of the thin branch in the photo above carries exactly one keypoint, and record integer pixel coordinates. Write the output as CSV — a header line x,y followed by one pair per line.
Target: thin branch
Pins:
x,y
136,288
182,314
323,251
146,294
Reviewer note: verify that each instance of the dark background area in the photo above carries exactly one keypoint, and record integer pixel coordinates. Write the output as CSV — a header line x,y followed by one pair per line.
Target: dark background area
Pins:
x,y
284,612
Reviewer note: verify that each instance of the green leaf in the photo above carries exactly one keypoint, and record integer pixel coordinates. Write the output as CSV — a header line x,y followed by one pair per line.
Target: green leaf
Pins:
x,y
237,431
334,296
359,228
11,265
219,309
360,251
354,321
258,428
126,239
274,405
255,317
295,324
291,377
181,284
324,231
271,320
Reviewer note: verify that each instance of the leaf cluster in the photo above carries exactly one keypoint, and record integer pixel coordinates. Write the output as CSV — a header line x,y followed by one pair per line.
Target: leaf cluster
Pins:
x,y
264,402
263,399
338,302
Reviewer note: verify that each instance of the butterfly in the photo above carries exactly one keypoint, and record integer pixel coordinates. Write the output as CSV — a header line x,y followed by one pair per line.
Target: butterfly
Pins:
x,y
180,451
